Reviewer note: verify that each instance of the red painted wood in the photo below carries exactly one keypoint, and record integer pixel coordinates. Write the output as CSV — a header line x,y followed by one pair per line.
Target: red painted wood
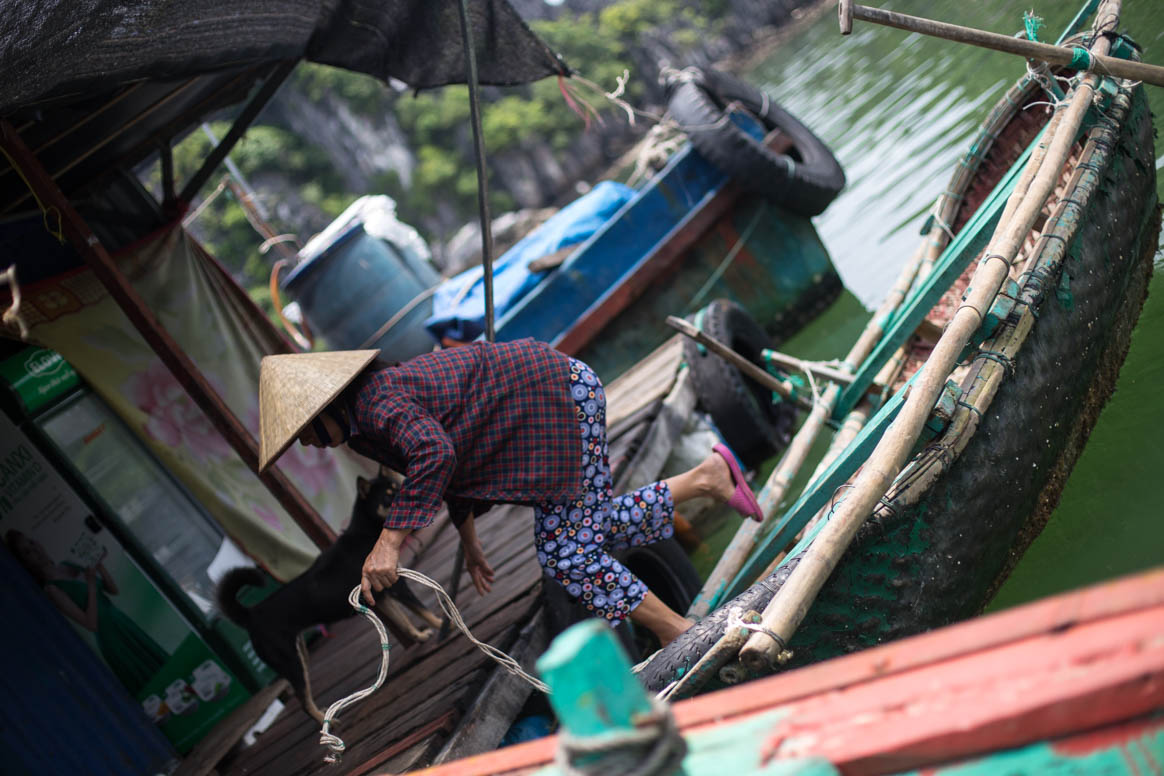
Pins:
x,y
1043,687
167,349
1101,650
1112,598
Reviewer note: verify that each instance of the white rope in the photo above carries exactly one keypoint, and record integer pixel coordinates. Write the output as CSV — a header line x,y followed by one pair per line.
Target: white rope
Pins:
x,y
450,609
334,742
326,738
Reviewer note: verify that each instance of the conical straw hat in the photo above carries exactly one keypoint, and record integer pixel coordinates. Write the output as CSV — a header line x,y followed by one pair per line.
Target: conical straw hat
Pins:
x,y
294,388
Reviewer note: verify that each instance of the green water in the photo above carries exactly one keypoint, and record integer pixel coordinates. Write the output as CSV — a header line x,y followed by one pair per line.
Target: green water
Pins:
x,y
899,110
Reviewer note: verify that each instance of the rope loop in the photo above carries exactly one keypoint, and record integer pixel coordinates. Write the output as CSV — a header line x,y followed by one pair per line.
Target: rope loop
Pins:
x,y
736,620
653,748
334,742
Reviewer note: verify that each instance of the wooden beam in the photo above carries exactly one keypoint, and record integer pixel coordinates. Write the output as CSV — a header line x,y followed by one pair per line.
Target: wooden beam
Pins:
x,y
89,247
104,141
249,113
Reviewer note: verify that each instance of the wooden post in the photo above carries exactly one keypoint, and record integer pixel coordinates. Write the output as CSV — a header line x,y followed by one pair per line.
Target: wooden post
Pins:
x,y
789,606
845,16
592,688
167,349
1055,55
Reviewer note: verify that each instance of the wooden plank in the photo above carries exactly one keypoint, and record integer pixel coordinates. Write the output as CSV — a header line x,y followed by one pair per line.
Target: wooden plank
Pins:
x,y
204,758
1043,687
661,437
499,701
647,381
444,722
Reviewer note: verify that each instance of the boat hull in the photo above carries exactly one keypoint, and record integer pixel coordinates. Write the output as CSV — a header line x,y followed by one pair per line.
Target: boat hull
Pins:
x,y
977,494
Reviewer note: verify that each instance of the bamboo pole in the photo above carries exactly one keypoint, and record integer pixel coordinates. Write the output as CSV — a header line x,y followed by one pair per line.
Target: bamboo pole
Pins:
x,y
1045,52
789,606
732,559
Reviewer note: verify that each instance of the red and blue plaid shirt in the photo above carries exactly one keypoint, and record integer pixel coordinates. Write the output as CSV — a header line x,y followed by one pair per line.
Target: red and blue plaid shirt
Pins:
x,y
491,422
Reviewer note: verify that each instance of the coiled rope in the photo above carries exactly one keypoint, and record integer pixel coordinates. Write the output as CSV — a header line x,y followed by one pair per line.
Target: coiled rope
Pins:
x,y
653,748
333,742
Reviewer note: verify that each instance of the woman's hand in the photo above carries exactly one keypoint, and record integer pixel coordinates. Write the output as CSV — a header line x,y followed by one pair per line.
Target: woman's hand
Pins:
x,y
478,567
379,572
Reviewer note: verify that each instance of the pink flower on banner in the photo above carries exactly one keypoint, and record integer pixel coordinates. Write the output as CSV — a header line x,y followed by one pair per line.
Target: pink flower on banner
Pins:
x,y
172,417
268,516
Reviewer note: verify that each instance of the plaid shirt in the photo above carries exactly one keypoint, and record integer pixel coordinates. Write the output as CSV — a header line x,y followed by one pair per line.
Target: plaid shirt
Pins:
x,y
485,422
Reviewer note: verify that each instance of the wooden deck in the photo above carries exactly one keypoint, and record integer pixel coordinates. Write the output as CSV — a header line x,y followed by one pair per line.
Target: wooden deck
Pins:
x,y
443,699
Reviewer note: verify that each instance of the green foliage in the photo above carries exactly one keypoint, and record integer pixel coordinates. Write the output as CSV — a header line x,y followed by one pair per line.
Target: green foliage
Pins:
x,y
363,93
599,46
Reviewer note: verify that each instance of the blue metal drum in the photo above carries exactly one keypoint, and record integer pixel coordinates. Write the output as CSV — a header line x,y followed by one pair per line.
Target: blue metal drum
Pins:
x,y
352,286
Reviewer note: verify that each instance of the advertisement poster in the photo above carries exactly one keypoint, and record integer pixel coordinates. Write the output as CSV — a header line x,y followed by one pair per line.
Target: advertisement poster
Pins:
x,y
100,590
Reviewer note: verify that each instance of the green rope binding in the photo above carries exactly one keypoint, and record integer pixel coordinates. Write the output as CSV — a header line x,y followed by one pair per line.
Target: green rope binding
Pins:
x,y
1080,59
1032,24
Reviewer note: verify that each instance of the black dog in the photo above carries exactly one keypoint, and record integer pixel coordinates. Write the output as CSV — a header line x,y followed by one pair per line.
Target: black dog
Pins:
x,y
320,595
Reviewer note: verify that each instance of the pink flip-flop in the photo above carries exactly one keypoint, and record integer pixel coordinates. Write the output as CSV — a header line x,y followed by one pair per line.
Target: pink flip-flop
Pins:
x,y
743,500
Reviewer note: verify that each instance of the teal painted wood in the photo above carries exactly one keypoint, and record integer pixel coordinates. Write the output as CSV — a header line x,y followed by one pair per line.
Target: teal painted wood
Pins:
x,y
969,243
1133,755
592,688
815,496
594,694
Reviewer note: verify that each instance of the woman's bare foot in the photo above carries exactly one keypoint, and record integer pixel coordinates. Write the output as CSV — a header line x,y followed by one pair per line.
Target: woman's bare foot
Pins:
x,y
711,478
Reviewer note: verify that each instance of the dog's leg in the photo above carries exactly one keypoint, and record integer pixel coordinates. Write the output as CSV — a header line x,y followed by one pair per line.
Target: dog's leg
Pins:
x,y
392,613
305,698
404,595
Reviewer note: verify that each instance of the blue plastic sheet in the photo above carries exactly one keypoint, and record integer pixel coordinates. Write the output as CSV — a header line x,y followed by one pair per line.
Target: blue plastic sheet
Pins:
x,y
459,303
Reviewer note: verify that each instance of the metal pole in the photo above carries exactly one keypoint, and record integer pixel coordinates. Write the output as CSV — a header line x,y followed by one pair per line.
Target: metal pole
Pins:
x,y
482,184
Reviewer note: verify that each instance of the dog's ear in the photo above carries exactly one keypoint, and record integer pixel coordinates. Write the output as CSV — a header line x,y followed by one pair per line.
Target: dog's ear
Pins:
x,y
363,486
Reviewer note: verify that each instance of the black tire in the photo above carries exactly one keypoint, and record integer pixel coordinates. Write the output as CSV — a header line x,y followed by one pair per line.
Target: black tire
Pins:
x,y
667,571
754,426
665,568
803,181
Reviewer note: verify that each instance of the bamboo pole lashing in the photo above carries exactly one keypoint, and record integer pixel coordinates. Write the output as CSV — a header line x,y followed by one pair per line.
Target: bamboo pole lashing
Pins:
x,y
789,606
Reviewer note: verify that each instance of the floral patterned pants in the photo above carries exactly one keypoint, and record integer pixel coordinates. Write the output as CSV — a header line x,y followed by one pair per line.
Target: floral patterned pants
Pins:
x,y
574,538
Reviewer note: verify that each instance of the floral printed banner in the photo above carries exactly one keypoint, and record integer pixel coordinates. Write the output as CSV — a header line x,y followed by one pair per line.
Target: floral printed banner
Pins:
x,y
203,311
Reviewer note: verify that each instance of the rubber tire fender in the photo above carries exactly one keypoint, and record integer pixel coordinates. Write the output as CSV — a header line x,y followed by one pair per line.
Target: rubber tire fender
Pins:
x,y
803,181
753,425
664,567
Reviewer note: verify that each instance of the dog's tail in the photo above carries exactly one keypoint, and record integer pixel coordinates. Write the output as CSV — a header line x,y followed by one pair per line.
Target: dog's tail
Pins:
x,y
227,592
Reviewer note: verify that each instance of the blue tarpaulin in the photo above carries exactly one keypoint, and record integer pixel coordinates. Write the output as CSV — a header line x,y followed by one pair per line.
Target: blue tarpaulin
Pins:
x,y
459,304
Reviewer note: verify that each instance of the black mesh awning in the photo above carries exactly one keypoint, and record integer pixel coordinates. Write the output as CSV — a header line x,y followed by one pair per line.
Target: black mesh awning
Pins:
x,y
52,50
